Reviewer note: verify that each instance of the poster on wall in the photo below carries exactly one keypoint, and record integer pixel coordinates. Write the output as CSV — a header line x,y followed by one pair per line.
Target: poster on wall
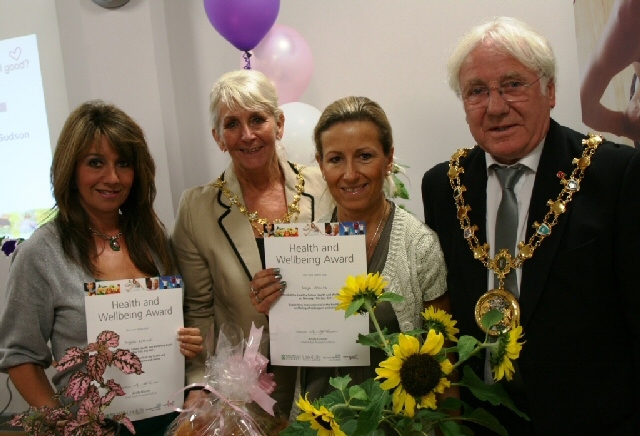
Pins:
x,y
608,41
25,150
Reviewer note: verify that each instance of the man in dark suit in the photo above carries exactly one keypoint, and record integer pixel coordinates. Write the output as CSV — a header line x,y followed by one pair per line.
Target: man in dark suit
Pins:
x,y
578,292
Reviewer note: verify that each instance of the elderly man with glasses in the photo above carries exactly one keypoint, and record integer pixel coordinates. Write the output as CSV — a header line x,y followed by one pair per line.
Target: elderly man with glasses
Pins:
x,y
543,221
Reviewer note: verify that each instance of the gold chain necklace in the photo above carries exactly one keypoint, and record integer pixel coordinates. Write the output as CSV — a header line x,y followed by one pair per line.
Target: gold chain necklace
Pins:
x,y
293,210
503,262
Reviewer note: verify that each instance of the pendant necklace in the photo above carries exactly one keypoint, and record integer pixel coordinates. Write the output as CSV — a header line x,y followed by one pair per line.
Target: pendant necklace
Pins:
x,y
503,262
113,240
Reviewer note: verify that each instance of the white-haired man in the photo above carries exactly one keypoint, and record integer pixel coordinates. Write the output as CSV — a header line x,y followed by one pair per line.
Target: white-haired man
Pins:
x,y
578,209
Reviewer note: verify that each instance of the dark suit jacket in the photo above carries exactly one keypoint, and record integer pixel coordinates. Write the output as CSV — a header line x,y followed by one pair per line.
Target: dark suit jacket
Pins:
x,y
580,297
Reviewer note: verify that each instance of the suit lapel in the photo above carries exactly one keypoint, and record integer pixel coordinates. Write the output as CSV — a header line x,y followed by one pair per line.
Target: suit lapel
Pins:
x,y
237,229
556,156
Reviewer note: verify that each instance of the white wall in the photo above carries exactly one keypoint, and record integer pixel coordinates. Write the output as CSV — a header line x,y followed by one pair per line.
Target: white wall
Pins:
x,y
157,60
121,55
392,52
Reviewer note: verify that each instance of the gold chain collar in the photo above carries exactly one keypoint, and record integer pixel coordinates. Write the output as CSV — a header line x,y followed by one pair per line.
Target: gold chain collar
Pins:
x,y
503,262
293,209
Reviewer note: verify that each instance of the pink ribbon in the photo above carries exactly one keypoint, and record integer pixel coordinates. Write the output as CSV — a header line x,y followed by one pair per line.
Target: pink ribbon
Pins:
x,y
266,385
259,393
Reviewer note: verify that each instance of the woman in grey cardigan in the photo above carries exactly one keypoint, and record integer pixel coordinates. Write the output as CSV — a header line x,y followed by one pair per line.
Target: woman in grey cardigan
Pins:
x,y
104,228
354,148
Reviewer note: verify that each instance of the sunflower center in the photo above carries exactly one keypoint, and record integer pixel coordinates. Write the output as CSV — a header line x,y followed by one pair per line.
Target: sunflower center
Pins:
x,y
420,374
323,423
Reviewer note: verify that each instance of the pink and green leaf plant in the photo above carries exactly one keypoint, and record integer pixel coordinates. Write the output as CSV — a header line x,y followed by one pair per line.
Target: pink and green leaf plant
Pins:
x,y
83,409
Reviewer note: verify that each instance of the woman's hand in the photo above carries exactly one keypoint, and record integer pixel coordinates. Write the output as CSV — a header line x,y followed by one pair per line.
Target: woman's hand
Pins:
x,y
190,341
266,287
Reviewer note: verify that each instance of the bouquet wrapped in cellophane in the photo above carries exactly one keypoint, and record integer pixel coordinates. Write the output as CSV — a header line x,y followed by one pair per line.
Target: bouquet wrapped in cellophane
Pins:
x,y
237,386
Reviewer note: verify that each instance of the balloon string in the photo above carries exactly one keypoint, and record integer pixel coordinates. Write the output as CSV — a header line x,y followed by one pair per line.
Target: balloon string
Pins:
x,y
247,61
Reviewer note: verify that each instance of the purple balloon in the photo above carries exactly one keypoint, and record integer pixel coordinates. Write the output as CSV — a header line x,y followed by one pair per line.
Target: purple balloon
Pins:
x,y
242,22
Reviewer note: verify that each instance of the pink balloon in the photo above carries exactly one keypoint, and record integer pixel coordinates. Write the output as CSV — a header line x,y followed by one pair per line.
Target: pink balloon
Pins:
x,y
285,58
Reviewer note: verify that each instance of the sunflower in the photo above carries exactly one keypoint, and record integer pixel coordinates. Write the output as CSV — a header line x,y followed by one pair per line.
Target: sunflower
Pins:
x,y
508,349
369,287
320,419
441,322
417,373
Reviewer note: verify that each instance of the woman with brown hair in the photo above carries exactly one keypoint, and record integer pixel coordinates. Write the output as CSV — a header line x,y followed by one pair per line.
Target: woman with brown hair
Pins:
x,y
104,228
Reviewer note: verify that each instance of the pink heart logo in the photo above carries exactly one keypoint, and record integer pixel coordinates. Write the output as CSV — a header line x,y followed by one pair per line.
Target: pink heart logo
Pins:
x,y
15,55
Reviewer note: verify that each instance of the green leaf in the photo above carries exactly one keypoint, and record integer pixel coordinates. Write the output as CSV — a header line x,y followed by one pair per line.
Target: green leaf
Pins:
x,y
449,403
358,393
466,346
486,419
372,414
391,297
392,339
375,392
429,415
348,427
298,428
401,191
450,428
371,340
330,400
354,307
340,383
491,318
494,393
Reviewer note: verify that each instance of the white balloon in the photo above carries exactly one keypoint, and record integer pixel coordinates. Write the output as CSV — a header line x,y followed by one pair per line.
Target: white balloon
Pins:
x,y
299,122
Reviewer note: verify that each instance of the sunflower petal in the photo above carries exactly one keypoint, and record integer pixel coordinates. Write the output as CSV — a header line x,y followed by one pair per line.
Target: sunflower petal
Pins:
x,y
433,344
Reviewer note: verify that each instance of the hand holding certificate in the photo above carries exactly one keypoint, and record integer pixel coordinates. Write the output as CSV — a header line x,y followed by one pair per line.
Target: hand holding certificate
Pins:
x,y
305,328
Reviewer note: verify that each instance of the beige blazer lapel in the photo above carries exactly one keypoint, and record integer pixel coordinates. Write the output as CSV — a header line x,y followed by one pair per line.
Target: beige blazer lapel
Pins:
x,y
237,228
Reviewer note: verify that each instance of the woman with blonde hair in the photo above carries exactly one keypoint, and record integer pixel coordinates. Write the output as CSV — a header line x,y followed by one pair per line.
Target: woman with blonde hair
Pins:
x,y
218,233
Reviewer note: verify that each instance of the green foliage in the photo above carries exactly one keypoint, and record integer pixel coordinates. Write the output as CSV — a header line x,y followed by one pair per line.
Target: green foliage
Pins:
x,y
491,318
391,297
368,410
466,347
401,190
298,428
493,393
354,307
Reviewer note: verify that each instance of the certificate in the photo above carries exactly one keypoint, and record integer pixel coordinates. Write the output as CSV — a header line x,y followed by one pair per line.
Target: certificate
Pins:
x,y
146,313
305,329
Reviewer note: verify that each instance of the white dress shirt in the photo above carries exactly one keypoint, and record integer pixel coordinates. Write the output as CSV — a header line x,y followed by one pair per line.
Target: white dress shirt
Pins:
x,y
522,189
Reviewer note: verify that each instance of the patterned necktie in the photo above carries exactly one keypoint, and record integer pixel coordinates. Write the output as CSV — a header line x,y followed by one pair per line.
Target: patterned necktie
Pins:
x,y
506,230
506,233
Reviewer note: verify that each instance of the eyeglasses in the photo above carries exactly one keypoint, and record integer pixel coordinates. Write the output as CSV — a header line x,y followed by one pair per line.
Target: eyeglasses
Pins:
x,y
510,90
